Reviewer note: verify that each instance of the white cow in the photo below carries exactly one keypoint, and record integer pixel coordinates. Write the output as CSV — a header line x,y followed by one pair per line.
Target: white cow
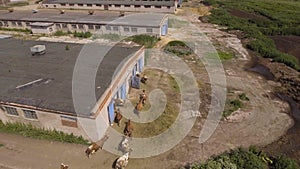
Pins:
x,y
122,161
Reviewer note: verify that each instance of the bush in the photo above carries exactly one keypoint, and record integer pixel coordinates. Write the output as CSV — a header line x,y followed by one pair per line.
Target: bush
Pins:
x,y
285,163
178,48
82,34
243,97
28,130
145,40
16,30
60,33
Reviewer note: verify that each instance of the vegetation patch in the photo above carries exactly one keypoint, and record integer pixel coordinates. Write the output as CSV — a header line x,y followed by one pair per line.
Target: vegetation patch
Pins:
x,y
61,33
29,130
225,55
280,18
247,159
82,34
178,48
146,40
234,103
16,30
1,145
176,23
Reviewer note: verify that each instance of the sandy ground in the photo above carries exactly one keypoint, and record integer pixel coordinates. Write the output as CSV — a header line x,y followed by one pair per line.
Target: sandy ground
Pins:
x,y
265,122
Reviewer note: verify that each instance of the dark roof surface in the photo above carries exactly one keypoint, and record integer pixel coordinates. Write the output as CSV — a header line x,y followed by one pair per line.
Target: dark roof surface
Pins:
x,y
52,72
99,17
117,2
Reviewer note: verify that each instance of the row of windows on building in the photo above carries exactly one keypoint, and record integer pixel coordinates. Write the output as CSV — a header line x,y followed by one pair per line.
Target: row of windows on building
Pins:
x,y
29,114
81,26
110,5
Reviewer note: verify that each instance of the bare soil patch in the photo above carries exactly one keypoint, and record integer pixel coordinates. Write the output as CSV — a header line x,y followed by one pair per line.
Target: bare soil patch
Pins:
x,y
288,44
247,15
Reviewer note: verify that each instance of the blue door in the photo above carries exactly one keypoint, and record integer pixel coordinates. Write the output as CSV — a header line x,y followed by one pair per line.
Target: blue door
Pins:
x,y
111,112
141,64
164,30
123,91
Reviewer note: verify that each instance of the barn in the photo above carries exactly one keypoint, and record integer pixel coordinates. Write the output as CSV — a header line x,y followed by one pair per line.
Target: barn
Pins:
x,y
48,21
37,89
164,6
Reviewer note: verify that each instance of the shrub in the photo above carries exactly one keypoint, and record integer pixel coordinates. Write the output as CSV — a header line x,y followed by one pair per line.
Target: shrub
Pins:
x,y
178,48
146,40
286,163
29,130
60,33
82,34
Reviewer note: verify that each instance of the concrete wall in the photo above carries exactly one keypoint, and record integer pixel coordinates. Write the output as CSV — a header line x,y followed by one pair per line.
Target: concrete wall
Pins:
x,y
43,30
131,8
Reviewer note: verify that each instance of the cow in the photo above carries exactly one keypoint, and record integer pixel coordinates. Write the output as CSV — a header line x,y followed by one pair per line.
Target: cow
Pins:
x,y
139,106
128,129
94,147
122,161
63,166
143,97
118,117
124,146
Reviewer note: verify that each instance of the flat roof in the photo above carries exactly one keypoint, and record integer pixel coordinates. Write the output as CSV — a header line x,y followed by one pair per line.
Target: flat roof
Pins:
x,y
45,81
99,17
114,2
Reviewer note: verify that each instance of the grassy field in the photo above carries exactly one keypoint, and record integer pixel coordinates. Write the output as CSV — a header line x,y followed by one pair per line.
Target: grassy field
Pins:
x,y
157,80
257,20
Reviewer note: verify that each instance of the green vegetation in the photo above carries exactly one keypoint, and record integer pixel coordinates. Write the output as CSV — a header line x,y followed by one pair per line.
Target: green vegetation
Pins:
x,y
145,40
1,145
234,104
225,55
16,30
61,33
67,47
82,34
28,130
258,20
251,158
178,48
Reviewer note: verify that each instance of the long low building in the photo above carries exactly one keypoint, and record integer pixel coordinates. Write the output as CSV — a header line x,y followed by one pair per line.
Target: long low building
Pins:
x,y
166,6
50,21
38,89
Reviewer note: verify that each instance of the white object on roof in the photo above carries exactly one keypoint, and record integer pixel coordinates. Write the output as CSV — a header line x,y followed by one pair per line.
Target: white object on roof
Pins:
x,y
38,49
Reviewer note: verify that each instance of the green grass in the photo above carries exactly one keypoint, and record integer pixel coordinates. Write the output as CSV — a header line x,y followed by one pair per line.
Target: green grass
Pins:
x,y
178,48
250,158
61,33
82,34
225,55
146,40
276,18
234,103
1,145
28,130
16,30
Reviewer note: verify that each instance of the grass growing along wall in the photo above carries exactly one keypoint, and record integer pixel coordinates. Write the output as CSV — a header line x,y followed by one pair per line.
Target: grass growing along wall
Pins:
x,y
28,130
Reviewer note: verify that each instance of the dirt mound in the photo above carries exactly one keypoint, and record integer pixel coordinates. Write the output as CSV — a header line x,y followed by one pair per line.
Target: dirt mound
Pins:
x,y
247,15
288,44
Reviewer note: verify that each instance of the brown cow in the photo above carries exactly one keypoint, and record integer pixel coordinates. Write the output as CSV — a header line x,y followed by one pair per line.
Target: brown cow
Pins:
x,y
128,129
118,117
94,147
139,106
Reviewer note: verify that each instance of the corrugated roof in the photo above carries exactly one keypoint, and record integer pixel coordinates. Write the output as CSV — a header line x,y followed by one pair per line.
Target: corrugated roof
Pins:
x,y
113,2
139,19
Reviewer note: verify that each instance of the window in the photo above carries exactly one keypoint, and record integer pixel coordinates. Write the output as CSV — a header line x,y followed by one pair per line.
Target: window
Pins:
x,y
108,28
117,6
157,6
126,29
137,6
89,5
80,26
58,26
99,5
54,6
64,25
46,6
109,5
63,4
80,4
30,114
71,4
128,6
115,28
149,30
91,27
1,24
133,29
11,111
74,26
68,121
97,26
147,6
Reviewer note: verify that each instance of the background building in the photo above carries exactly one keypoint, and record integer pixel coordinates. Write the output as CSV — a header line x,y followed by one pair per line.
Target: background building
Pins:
x,y
38,89
80,21
167,6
